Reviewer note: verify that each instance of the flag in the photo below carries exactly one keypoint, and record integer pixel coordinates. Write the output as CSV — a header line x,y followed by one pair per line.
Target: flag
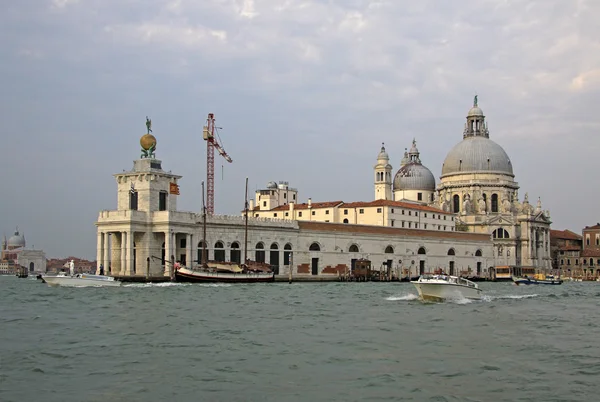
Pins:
x,y
174,188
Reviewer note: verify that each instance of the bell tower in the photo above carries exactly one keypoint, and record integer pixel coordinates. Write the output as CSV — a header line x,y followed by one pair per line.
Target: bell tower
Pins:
x,y
383,176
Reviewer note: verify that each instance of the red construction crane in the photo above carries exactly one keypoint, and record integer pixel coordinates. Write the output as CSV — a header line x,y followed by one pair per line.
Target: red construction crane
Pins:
x,y
211,144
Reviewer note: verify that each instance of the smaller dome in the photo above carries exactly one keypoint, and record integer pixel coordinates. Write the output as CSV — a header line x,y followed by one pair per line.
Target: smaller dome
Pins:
x,y
383,154
271,185
414,176
17,240
147,141
475,111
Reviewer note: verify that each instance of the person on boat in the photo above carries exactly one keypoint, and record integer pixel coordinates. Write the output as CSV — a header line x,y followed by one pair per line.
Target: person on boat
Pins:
x,y
177,265
72,268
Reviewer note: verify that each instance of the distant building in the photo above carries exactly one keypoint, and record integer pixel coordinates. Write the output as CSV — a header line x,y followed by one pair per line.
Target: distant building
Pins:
x,y
566,249
590,255
14,254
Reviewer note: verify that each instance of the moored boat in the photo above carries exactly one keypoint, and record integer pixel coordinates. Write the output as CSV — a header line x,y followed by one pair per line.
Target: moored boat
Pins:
x,y
80,280
222,273
524,280
442,287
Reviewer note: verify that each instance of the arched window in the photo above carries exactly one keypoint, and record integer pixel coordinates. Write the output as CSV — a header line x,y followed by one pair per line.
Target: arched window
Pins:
x,y
274,257
236,255
389,250
345,220
353,249
219,252
500,233
287,252
259,254
494,202
456,203
478,253
315,247
421,250
31,267
451,252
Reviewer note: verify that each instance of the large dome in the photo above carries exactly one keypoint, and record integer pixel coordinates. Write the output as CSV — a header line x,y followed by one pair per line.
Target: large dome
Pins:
x,y
477,154
414,176
17,240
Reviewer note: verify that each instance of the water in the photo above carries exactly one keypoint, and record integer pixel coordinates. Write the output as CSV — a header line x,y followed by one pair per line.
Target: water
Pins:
x,y
299,342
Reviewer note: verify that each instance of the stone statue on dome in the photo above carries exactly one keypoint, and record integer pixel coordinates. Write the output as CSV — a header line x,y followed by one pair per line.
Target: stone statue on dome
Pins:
x,y
475,101
481,205
467,204
148,125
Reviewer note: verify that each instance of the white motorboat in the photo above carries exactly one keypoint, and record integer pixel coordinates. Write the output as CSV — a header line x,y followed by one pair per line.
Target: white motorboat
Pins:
x,y
442,287
80,280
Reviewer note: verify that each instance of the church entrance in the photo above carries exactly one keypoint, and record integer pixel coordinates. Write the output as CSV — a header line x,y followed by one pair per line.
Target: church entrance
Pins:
x,y
421,267
31,267
451,268
315,266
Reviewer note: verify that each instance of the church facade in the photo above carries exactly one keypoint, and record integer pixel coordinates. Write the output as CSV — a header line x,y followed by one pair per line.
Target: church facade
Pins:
x,y
14,254
470,223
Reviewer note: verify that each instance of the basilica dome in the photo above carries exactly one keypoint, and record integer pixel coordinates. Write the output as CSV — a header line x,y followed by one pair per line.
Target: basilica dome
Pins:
x,y
414,176
16,240
477,154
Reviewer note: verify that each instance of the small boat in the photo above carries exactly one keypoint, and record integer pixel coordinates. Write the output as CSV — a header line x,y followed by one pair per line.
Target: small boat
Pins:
x,y
524,280
442,287
80,280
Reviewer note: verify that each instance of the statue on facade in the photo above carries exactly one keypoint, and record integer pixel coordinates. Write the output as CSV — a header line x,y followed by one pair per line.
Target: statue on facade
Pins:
x,y
481,205
466,204
506,204
475,101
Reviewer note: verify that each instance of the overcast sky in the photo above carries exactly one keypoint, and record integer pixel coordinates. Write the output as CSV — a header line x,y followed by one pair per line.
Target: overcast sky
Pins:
x,y
306,91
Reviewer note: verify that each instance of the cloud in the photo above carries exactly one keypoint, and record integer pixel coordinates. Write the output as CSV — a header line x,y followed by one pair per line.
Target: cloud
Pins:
x,y
327,80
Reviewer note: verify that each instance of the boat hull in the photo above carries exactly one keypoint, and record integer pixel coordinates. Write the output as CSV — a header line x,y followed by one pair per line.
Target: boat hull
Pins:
x,y
528,281
444,291
190,275
81,281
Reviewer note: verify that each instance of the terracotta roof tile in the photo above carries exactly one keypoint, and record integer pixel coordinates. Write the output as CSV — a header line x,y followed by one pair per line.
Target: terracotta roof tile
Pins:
x,y
392,231
590,252
564,234
569,248
596,226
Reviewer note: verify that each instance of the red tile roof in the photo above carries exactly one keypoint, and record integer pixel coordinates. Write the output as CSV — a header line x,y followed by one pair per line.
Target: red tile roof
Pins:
x,y
590,252
596,226
391,231
564,234
569,248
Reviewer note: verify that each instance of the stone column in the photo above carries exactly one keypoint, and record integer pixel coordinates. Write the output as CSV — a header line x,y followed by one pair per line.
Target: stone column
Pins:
x,y
168,239
188,250
106,236
123,253
129,267
99,254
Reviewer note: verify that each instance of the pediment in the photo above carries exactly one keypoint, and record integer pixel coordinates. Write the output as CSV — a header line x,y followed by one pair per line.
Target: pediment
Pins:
x,y
541,218
501,220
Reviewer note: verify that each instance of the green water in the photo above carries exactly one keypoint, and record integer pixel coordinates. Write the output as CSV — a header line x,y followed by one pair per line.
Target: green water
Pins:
x,y
299,342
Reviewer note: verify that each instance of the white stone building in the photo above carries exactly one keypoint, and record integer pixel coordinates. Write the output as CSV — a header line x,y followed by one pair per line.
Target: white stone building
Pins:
x,y
15,253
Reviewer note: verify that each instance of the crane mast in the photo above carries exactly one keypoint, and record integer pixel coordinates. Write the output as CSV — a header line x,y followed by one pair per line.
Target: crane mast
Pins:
x,y
211,145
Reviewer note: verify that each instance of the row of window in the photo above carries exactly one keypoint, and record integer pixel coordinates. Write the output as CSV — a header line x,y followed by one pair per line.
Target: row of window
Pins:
x,y
587,240
162,200
362,211
585,262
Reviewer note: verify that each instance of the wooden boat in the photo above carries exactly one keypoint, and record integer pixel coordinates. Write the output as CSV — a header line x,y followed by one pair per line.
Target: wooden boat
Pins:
x,y
212,271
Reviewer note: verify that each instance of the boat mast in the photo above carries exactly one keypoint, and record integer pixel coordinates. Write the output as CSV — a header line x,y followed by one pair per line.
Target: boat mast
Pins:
x,y
203,262
246,225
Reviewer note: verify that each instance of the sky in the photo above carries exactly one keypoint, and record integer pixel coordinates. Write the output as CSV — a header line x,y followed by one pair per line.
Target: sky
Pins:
x,y
305,91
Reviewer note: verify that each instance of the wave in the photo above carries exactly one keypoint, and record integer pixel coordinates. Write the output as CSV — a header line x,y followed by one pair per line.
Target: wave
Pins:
x,y
489,298
407,297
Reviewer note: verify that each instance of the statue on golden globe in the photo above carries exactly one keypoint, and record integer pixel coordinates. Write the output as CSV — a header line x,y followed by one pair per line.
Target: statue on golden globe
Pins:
x,y
148,141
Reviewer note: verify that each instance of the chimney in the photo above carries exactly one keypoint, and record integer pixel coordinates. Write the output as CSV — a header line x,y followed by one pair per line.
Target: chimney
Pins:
x,y
291,210
251,205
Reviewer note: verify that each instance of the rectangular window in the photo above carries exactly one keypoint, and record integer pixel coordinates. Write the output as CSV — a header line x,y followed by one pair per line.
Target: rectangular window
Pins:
x,y
345,212
416,213
409,225
392,222
182,243
562,262
569,261
425,214
300,213
597,240
133,200
327,212
327,220
402,212
275,215
416,225
162,201
576,261
313,212
409,213
256,215
587,241
444,217
420,196
361,211
402,223
392,210
264,203
284,195
425,226
378,210
287,214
